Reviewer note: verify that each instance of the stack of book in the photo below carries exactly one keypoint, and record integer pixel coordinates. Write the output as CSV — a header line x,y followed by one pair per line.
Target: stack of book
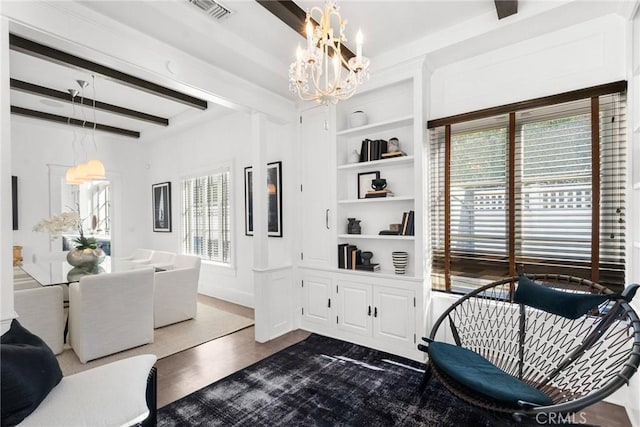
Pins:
x,y
372,194
350,258
407,228
393,154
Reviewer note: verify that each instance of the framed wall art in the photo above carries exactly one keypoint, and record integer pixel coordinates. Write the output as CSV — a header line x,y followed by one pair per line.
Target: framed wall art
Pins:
x,y
364,182
161,195
274,205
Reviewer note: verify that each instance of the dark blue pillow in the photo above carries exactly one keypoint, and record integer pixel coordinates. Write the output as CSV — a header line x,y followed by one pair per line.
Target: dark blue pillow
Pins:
x,y
483,377
30,371
566,304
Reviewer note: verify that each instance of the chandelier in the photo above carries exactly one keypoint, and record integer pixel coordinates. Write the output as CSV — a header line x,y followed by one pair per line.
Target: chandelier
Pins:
x,y
317,73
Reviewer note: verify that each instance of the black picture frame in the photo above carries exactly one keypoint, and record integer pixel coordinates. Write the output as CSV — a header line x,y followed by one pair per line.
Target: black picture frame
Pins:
x,y
364,182
161,197
14,201
274,206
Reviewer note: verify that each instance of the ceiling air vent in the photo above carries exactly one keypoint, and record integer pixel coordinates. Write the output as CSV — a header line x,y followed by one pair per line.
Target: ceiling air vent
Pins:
x,y
212,8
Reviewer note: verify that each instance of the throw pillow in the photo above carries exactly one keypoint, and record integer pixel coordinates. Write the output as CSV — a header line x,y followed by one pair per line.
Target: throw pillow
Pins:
x,y
30,371
566,304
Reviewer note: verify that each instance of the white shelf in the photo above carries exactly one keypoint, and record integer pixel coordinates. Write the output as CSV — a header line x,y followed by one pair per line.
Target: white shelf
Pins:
x,y
376,127
376,237
390,274
382,162
376,200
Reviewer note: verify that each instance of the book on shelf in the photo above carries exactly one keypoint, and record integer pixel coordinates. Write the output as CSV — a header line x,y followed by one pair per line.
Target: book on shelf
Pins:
x,y
388,233
378,193
349,256
372,149
407,228
370,267
393,154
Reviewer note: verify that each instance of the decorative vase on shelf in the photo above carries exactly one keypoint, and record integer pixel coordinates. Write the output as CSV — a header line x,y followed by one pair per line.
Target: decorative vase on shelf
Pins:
x,y
85,258
400,261
353,227
357,119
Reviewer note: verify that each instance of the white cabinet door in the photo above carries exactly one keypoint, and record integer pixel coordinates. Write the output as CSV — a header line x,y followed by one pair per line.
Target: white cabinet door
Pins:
x,y
317,171
316,300
394,315
354,307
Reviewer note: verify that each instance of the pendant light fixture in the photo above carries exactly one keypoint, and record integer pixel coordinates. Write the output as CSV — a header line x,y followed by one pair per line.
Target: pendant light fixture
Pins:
x,y
71,176
93,169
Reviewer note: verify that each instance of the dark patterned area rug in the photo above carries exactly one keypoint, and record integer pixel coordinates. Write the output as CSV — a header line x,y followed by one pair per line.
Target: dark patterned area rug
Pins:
x,y
325,382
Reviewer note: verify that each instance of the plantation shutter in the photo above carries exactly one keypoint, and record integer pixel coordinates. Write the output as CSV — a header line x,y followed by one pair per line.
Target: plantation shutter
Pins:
x,y
553,226
206,216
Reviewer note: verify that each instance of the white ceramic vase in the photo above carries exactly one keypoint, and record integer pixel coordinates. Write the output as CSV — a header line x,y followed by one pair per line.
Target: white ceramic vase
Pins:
x,y
357,119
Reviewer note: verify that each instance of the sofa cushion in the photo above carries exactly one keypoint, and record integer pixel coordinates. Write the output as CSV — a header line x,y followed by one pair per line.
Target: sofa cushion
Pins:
x,y
480,375
30,371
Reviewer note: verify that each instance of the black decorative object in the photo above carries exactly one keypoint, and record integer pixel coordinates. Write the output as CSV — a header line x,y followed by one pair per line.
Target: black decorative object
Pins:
x,y
379,184
325,382
366,257
161,195
353,227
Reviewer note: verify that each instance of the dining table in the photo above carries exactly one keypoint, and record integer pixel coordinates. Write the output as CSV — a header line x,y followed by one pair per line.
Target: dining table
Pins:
x,y
60,272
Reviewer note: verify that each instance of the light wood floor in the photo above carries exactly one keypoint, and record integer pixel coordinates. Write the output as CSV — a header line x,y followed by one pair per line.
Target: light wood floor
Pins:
x,y
183,373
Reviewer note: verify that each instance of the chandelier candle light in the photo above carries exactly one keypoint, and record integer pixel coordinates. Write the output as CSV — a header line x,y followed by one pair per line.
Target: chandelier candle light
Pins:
x,y
316,73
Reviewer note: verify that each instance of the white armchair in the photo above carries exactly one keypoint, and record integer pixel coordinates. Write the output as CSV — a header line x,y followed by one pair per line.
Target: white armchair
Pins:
x,y
140,255
162,259
40,310
111,312
175,295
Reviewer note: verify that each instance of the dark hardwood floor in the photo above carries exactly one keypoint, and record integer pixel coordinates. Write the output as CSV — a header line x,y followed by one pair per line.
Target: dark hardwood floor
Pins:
x,y
183,373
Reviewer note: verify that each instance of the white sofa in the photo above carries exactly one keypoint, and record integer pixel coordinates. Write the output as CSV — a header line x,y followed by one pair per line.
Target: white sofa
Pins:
x,y
121,393
176,291
41,311
111,312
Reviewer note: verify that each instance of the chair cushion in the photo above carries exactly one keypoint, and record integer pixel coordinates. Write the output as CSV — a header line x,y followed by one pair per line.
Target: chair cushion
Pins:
x,y
30,371
566,304
478,374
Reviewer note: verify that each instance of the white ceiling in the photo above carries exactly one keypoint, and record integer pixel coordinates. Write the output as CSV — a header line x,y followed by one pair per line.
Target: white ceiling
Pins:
x,y
253,44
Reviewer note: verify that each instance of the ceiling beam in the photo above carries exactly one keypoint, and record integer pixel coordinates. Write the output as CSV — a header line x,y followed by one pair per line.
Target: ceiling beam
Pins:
x,y
103,106
506,8
292,15
29,47
34,114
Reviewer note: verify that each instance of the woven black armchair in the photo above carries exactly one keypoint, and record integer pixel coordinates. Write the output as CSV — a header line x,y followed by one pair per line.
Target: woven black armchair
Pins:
x,y
535,344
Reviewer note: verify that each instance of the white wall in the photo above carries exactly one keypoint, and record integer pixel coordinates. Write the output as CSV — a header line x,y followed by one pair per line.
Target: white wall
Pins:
x,y
224,141
37,144
580,56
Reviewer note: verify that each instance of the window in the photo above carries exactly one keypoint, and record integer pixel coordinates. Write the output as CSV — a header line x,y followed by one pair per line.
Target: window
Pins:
x,y
206,216
523,187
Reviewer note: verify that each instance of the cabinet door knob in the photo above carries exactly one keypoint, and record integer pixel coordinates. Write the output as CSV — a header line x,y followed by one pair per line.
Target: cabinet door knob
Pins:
x,y
375,312
369,312
326,218
329,303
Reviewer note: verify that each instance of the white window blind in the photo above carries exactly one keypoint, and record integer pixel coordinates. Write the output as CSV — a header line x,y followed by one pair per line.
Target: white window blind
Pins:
x,y
552,219
206,216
